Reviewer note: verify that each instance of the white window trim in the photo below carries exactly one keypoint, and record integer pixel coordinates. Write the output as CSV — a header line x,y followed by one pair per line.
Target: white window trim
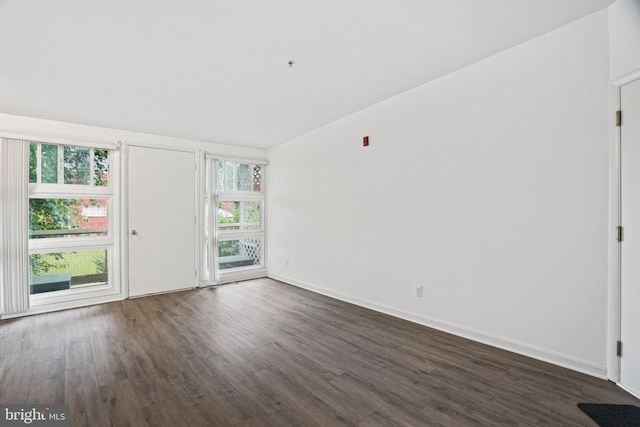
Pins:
x,y
210,156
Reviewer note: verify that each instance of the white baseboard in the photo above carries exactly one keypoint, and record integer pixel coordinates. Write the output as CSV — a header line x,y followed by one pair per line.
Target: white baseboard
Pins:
x,y
524,349
631,391
66,305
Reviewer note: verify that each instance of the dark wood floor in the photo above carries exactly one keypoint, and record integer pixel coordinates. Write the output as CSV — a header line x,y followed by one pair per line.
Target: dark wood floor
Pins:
x,y
261,353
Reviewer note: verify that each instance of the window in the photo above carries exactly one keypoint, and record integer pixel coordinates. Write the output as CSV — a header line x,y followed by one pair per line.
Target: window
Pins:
x,y
239,253
233,176
234,228
239,215
55,271
61,164
63,217
71,236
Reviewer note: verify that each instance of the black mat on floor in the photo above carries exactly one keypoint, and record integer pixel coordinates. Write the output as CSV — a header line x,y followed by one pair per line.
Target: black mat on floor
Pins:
x,y
612,415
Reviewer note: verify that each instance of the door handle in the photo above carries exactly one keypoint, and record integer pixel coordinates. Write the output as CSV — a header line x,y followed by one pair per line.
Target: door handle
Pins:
x,y
134,232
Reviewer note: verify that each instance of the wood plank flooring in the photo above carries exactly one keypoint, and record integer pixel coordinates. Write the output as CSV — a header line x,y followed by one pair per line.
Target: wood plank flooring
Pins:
x,y
262,353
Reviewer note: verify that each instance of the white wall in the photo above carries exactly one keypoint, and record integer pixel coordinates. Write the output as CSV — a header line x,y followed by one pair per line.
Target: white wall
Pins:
x,y
624,37
488,186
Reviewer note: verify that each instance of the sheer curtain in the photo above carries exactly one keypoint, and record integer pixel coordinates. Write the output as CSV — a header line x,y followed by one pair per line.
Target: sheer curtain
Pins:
x,y
14,226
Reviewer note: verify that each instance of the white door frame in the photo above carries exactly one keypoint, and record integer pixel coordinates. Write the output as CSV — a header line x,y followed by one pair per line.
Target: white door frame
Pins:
x,y
615,200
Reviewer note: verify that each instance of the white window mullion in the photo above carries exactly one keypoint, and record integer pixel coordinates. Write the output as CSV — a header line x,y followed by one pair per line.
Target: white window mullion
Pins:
x,y
48,247
60,164
70,190
235,177
209,215
240,196
213,209
92,160
38,163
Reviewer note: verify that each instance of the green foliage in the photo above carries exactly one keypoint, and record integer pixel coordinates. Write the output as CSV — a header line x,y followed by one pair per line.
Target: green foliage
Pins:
x,y
252,213
49,163
54,214
77,168
246,215
230,220
41,264
49,167
77,165
228,248
33,162
100,263
101,166
51,214
78,263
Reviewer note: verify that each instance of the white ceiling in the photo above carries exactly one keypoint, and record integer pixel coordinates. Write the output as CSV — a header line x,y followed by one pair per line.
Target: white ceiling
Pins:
x,y
216,70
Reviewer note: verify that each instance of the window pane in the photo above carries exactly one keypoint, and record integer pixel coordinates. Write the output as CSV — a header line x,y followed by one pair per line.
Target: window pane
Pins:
x,y
244,177
220,176
101,168
257,178
33,162
239,215
49,167
67,218
234,176
239,253
77,165
67,270
230,175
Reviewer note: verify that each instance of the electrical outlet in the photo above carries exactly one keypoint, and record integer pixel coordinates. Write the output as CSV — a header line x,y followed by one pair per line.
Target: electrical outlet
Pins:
x,y
417,291
286,261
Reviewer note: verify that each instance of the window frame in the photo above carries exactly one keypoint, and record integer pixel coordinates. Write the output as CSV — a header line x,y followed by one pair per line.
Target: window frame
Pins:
x,y
110,241
215,193
60,166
